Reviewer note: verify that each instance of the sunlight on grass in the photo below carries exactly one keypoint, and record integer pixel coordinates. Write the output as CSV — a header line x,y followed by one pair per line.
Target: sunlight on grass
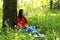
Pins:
x,y
0,24
46,21
53,14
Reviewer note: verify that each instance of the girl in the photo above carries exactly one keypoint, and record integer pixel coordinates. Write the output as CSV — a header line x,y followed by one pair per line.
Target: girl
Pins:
x,y
21,20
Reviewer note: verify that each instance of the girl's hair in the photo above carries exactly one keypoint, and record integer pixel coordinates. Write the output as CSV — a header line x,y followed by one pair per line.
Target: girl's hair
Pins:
x,y
20,14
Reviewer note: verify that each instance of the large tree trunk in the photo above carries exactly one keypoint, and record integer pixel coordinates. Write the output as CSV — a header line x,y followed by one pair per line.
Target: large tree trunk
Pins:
x,y
9,12
51,4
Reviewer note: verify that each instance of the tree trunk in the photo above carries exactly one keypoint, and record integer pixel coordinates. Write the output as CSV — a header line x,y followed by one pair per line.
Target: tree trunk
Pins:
x,y
9,12
58,4
51,3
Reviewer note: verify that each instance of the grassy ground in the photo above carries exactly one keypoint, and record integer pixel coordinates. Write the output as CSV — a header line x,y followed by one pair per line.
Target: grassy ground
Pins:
x,y
47,22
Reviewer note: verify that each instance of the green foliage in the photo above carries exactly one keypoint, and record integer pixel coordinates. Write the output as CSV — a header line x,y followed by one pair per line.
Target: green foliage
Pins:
x,y
38,14
1,14
47,23
56,4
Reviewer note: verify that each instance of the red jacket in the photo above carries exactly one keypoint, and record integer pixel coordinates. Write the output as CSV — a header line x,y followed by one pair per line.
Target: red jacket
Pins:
x,y
22,22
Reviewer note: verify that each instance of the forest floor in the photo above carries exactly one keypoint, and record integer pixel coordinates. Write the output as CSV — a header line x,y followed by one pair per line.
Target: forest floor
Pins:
x,y
47,23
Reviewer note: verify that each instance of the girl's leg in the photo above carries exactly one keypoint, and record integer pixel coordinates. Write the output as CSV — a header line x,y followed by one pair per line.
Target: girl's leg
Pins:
x,y
30,28
34,30
27,29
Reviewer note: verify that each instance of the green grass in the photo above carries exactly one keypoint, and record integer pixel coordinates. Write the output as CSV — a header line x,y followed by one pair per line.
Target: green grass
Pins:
x,y
47,23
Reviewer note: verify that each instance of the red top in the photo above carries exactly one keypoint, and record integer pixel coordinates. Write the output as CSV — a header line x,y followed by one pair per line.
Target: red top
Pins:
x,y
22,21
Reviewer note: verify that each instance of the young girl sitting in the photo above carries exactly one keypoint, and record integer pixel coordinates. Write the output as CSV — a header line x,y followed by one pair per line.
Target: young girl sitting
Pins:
x,y
21,20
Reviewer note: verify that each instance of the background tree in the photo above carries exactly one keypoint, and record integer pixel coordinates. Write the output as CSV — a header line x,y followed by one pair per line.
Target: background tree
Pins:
x,y
51,3
9,12
58,4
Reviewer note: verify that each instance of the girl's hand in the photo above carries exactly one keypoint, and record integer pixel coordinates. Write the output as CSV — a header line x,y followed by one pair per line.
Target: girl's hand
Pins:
x,y
18,26
24,15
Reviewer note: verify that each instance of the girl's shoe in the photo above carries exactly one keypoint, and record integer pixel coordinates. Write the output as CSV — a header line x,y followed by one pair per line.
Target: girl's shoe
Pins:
x,y
41,35
36,36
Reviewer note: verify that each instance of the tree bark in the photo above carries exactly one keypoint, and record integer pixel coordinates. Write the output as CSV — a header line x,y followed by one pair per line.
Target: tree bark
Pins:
x,y
58,4
9,12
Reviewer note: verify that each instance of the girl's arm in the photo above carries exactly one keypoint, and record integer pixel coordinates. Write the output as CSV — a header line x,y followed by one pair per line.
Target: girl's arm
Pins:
x,y
18,23
26,21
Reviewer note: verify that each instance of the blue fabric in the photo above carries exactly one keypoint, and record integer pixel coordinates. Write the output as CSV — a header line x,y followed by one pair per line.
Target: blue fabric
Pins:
x,y
33,29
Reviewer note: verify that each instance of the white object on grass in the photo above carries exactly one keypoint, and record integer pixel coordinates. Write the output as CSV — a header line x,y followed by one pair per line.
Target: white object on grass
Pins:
x,y
41,35
15,25
36,36
5,22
